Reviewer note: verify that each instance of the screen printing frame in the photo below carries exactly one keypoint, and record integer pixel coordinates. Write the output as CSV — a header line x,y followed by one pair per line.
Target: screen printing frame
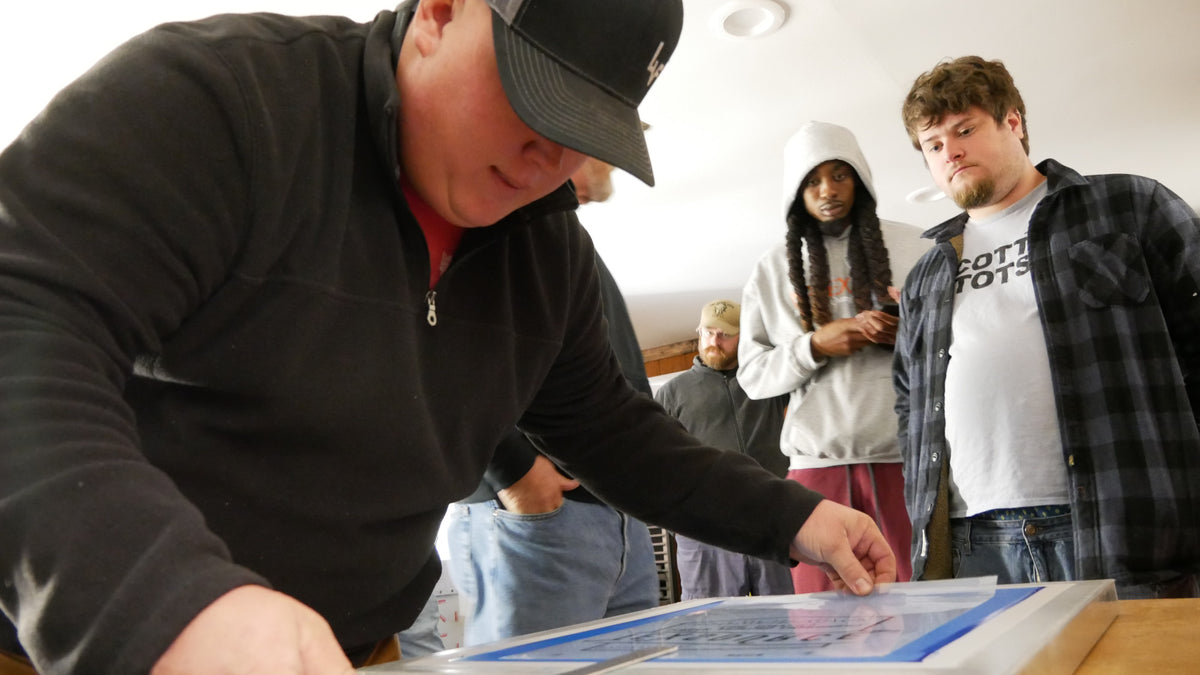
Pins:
x,y
1048,633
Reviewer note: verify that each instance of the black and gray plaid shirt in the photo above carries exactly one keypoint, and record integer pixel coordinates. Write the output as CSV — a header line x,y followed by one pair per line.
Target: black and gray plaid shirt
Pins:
x,y
1116,270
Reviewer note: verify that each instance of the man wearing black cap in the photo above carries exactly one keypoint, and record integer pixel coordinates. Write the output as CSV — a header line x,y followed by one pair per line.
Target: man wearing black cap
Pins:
x,y
271,291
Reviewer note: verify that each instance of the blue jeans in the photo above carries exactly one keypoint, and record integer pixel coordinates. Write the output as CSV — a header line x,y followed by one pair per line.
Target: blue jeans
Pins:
x,y
422,637
1027,550
519,574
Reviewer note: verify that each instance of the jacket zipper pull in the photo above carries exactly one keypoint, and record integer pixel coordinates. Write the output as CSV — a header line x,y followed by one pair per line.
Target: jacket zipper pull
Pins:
x,y
431,317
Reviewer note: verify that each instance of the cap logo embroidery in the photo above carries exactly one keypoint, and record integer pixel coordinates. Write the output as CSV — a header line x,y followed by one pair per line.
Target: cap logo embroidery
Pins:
x,y
654,67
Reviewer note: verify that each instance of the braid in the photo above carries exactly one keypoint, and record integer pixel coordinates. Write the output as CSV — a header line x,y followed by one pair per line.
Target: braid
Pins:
x,y
818,262
860,289
795,257
812,299
877,269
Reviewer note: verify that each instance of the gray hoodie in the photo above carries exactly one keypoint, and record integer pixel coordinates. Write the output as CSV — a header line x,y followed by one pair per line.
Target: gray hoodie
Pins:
x,y
840,409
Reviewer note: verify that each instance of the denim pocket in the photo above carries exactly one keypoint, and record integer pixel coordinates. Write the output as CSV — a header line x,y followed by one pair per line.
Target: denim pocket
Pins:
x,y
1109,270
507,515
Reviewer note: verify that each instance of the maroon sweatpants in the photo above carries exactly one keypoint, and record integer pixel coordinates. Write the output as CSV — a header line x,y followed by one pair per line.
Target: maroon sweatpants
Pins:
x,y
874,489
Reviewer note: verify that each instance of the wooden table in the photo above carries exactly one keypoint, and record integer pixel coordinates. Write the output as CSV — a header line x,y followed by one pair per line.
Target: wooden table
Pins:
x,y
1156,637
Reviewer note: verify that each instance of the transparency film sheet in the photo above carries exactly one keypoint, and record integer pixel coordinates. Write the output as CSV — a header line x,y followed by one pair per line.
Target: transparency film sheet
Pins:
x,y
898,623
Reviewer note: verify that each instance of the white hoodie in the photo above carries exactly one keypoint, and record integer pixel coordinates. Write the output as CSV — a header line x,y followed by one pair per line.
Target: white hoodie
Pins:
x,y
841,408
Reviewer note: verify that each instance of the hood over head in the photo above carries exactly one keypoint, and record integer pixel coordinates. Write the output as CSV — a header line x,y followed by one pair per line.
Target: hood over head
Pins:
x,y
813,144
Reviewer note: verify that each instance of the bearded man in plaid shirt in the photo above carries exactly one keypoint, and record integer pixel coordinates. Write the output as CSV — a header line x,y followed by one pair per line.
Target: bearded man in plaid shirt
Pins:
x,y
1047,364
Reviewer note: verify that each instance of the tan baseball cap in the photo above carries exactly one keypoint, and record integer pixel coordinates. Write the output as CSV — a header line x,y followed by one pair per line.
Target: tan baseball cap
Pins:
x,y
723,315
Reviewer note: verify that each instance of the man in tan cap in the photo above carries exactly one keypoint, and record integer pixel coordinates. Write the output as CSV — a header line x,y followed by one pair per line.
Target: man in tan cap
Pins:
x,y
710,403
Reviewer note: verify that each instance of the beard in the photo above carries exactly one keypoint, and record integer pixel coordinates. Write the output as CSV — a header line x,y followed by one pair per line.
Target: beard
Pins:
x,y
833,228
718,360
980,193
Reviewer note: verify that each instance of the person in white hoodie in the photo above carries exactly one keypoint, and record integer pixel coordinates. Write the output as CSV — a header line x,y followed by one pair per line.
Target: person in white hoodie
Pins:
x,y
818,324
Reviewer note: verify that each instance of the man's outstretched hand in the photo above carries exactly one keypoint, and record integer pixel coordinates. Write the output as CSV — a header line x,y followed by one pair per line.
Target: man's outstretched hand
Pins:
x,y
846,544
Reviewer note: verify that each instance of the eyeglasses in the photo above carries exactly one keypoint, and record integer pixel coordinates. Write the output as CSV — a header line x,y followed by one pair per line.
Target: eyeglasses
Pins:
x,y
713,333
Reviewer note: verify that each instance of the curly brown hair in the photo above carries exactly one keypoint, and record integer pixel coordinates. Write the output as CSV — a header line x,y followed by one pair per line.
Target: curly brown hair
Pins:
x,y
952,87
870,269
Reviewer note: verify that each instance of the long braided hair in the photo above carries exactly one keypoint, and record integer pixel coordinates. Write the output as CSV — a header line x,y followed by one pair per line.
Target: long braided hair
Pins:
x,y
870,270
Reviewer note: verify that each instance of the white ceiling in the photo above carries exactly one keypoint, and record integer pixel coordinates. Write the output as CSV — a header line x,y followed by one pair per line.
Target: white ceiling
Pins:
x,y
1110,85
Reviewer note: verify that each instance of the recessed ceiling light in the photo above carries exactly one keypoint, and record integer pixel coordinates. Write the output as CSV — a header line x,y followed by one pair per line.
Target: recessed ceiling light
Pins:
x,y
741,19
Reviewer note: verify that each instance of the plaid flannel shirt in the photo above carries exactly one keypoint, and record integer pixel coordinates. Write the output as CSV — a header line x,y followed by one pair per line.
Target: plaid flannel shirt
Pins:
x,y
1116,270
